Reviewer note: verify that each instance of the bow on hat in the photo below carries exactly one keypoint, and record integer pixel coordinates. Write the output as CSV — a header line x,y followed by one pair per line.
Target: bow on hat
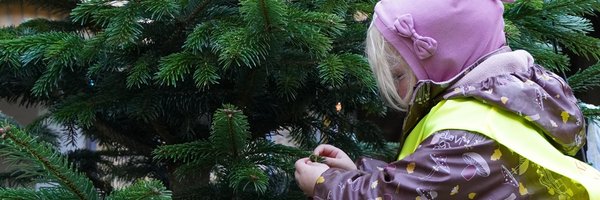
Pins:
x,y
424,47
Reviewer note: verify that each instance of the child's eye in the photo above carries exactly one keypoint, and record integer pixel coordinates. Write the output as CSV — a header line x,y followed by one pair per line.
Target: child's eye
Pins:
x,y
399,77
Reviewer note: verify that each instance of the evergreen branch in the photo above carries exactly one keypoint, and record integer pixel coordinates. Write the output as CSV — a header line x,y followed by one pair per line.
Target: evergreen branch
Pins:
x,y
289,80
48,81
229,131
234,143
558,22
358,67
57,167
585,80
186,152
39,129
129,169
94,11
206,75
310,39
243,176
199,38
331,71
543,53
329,24
56,50
262,152
124,28
98,60
191,19
263,14
150,189
93,164
338,7
190,169
20,167
566,30
41,25
12,178
8,33
241,48
174,67
589,110
571,7
523,8
9,59
19,194
303,134
75,109
64,50
161,8
144,107
194,15
51,193
140,72
583,45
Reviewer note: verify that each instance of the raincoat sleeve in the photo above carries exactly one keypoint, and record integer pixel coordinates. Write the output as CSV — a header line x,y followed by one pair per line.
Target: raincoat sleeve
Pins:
x,y
450,164
369,165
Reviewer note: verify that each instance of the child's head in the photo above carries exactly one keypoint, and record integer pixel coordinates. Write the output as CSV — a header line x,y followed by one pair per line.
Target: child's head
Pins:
x,y
395,79
437,39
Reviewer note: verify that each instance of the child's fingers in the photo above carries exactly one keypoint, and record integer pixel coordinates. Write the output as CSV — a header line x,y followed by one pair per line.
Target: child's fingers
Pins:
x,y
326,151
334,162
316,164
301,163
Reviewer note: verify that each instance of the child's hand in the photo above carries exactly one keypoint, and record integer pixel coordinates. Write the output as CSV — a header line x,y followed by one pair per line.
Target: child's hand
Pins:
x,y
335,157
307,173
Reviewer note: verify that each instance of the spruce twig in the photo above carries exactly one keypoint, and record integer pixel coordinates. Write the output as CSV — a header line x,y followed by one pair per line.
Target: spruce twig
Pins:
x,y
77,183
316,158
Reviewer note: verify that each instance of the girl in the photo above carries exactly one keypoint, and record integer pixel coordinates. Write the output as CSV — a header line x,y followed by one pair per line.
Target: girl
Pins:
x,y
483,122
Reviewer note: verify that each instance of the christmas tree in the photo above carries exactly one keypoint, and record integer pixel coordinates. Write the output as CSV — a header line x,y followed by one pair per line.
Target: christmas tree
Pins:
x,y
139,75
188,91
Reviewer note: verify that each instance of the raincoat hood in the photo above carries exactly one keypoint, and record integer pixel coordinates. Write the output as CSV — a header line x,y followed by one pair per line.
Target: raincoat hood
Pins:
x,y
511,81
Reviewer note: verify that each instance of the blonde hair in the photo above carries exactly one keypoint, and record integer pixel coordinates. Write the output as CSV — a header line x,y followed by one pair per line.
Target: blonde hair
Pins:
x,y
382,57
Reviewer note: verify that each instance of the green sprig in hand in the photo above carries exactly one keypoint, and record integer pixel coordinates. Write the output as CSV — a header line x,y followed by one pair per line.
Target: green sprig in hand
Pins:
x,y
316,158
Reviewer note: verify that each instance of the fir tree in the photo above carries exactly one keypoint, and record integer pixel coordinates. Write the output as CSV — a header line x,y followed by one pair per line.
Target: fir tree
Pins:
x,y
136,75
173,77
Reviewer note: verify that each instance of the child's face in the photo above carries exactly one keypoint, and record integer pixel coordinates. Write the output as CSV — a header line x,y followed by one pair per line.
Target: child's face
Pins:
x,y
402,78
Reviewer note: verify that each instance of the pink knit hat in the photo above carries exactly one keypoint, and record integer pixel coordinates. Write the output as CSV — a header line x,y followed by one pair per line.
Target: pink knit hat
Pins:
x,y
440,38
